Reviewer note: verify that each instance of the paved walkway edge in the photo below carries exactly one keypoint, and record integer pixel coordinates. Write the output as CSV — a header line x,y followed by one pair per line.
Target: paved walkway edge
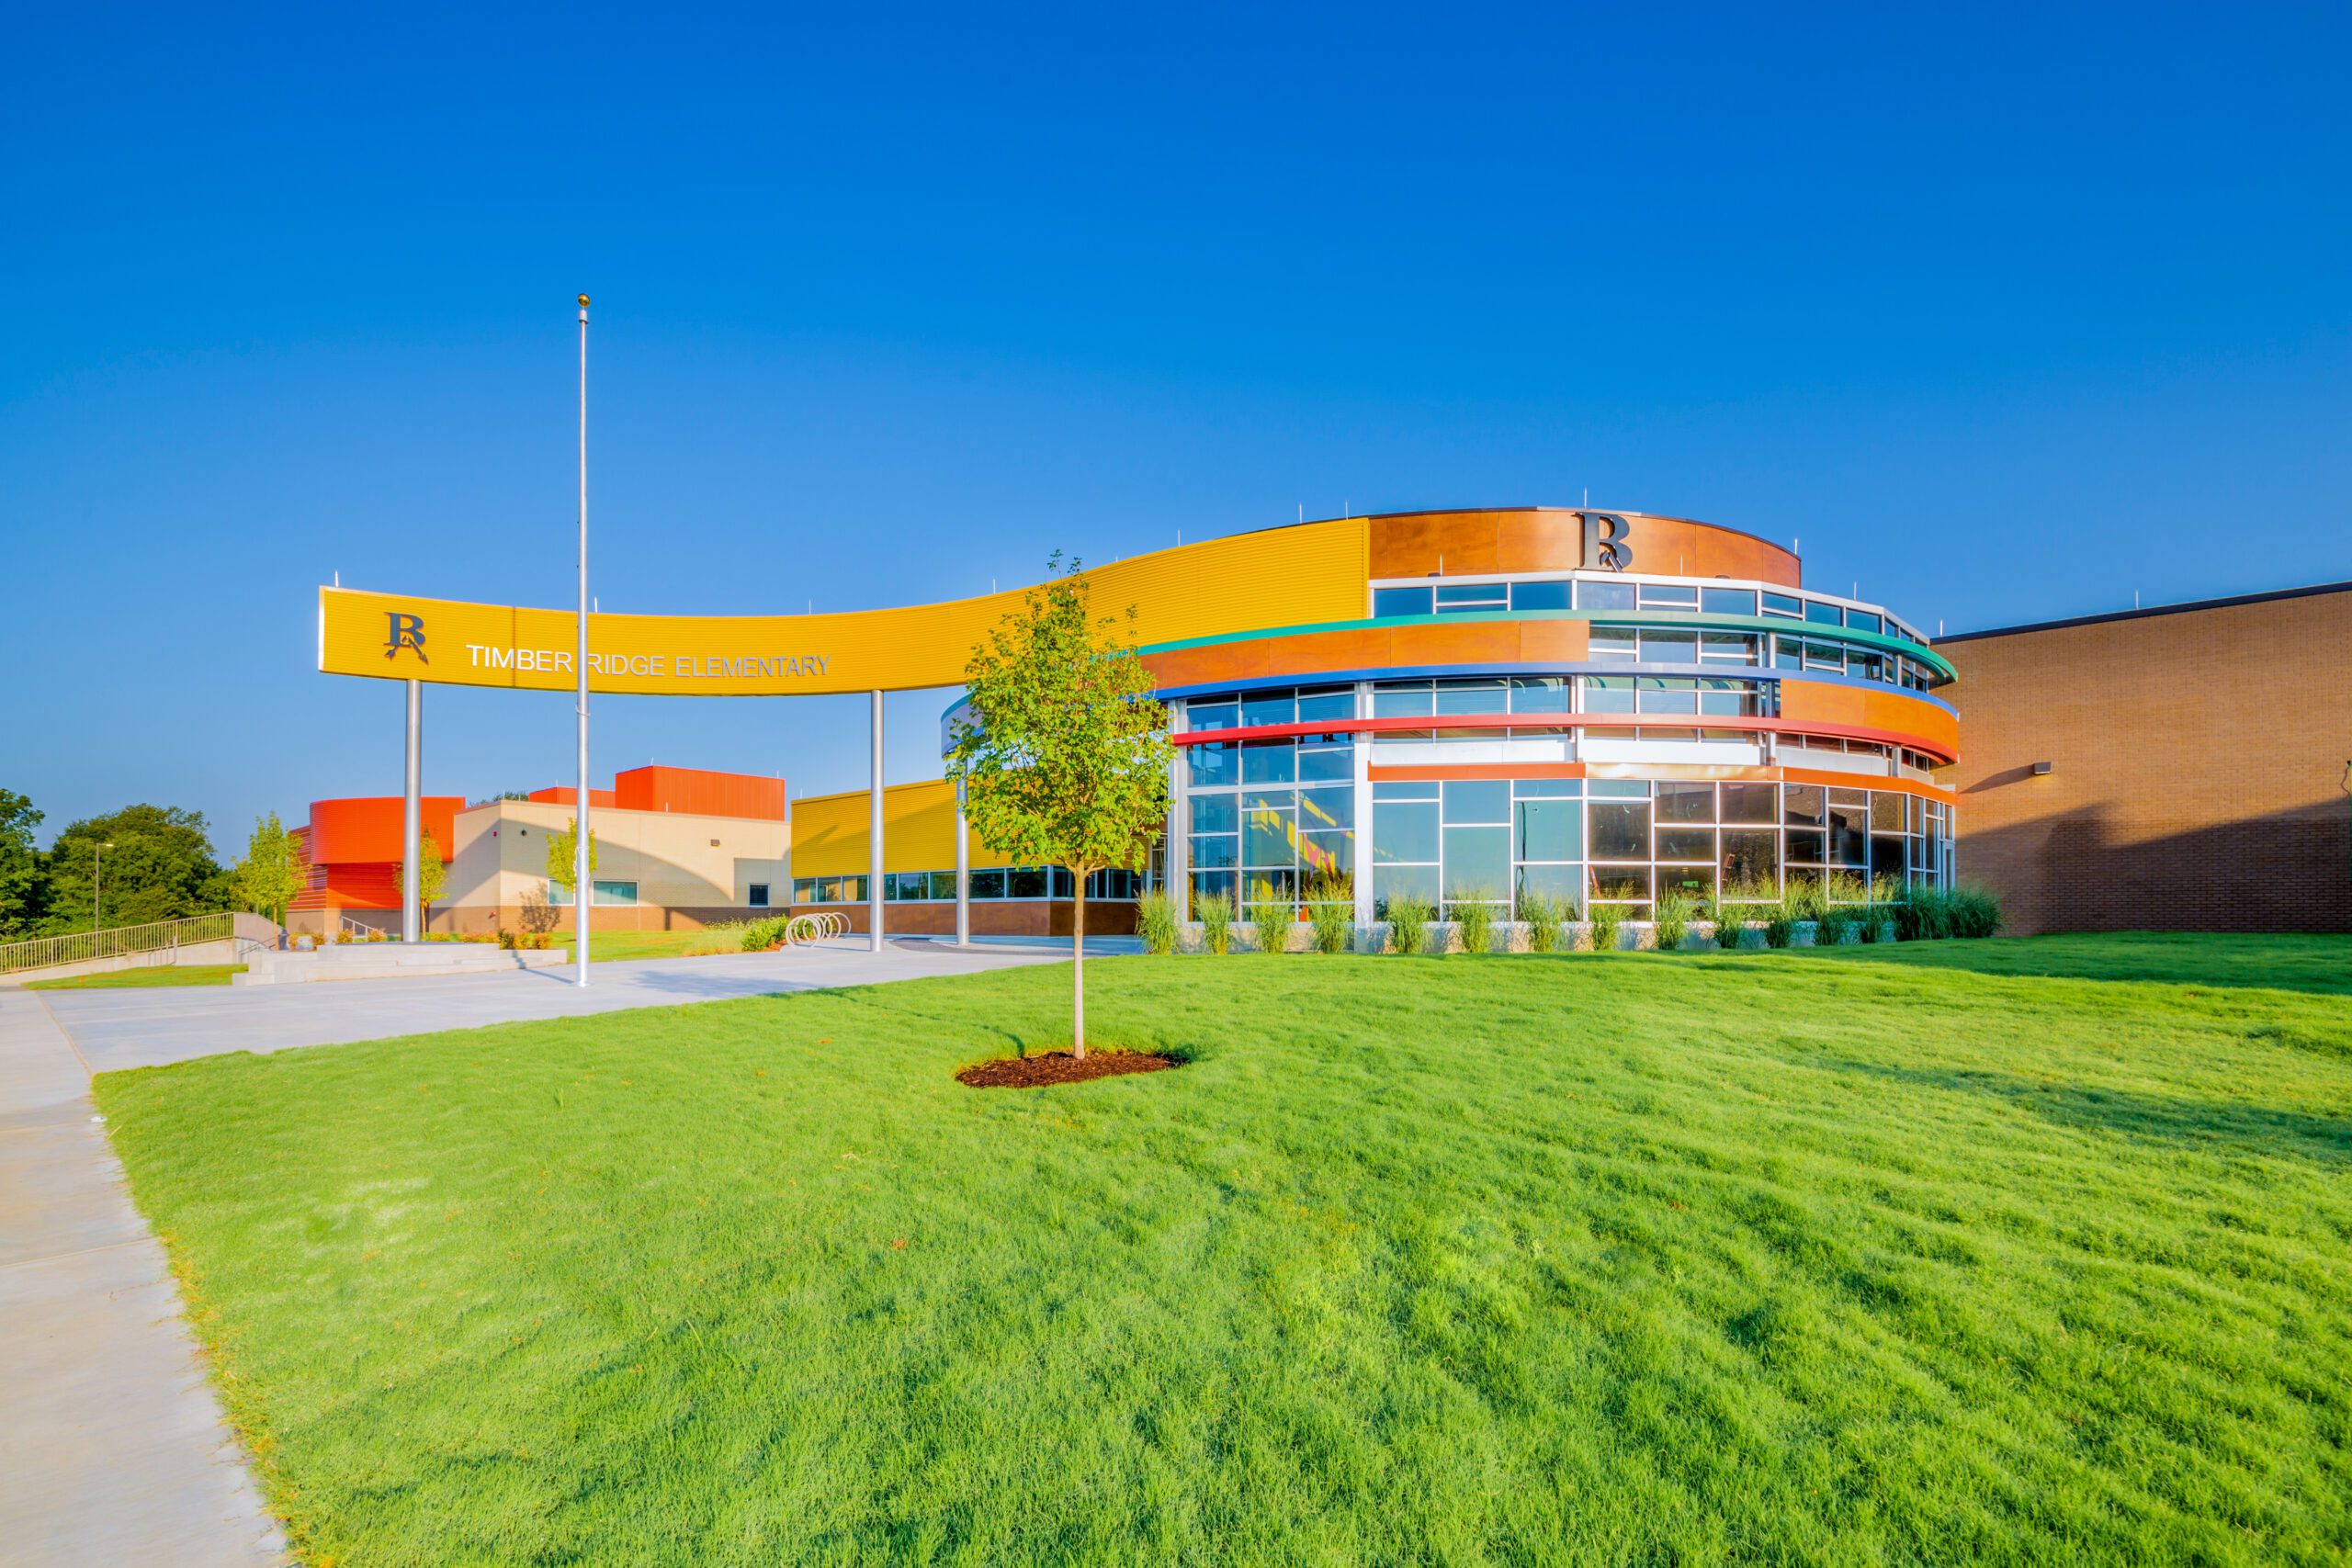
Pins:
x,y
113,1448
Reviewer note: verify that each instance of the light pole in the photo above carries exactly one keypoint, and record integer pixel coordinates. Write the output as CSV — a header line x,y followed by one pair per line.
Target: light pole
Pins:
x,y
583,896
97,853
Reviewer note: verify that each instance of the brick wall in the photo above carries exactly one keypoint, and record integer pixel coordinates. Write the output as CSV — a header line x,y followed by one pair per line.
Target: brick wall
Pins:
x,y
2198,757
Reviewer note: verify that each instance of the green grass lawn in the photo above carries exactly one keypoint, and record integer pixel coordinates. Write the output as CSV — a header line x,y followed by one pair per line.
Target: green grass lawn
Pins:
x,y
1956,1253
160,975
612,947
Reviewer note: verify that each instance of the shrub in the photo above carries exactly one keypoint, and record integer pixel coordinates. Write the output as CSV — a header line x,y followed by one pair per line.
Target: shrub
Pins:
x,y
1673,921
1711,910
1270,924
1545,915
1331,912
1217,922
1807,901
1156,921
1922,914
1607,921
1974,912
1476,918
1779,925
1408,925
760,935
506,940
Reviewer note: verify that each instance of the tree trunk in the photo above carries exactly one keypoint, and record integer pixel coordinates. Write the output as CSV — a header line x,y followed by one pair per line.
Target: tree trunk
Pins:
x,y
1078,974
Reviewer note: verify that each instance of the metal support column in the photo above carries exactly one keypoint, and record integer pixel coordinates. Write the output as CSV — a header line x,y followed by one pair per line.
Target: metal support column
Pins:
x,y
874,836
584,878
413,816
963,872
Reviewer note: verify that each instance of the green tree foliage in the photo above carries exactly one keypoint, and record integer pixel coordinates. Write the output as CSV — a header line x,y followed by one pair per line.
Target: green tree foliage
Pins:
x,y
275,868
22,882
161,868
1065,757
433,874
563,845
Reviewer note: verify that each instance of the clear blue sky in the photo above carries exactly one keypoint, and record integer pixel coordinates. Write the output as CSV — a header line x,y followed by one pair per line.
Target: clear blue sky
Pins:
x,y
2006,314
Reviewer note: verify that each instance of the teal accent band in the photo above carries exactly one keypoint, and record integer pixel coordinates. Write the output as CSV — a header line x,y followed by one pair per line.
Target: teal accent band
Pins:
x,y
1662,620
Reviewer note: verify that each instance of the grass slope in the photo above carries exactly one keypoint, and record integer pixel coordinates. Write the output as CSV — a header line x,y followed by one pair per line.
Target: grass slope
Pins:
x,y
137,979
1958,1253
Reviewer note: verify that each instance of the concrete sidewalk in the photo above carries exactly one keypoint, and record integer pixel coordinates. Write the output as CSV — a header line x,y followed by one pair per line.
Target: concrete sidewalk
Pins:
x,y
112,1446
117,1028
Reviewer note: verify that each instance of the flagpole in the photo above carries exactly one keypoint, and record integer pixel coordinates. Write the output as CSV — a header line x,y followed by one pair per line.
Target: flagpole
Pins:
x,y
583,896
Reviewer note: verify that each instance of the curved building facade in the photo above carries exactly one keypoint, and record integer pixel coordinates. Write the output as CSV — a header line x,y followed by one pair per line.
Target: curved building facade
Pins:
x,y
1600,707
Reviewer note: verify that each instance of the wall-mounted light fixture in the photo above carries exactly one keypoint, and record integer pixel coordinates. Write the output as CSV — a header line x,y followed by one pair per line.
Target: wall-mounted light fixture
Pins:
x,y
2041,768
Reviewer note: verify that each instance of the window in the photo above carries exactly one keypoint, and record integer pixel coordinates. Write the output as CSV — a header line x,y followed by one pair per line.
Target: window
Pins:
x,y
1727,648
1670,648
1539,595
1222,713
1783,604
1668,596
1400,601
1322,706
1666,693
1405,830
1459,596
559,894
1473,697
1620,829
1267,708
1605,596
1539,693
1727,601
1477,841
757,895
1614,642
1824,615
1213,765
1608,693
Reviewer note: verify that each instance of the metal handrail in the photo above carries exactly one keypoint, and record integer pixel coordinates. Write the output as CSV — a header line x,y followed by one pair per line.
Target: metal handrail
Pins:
x,y
77,947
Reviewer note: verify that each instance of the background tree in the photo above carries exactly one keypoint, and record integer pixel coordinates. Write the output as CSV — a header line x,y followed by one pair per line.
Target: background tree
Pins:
x,y
562,846
161,868
275,868
1064,760
22,882
433,874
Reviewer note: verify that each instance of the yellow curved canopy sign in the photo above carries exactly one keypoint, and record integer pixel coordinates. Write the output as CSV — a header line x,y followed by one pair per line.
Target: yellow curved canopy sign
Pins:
x,y
1291,576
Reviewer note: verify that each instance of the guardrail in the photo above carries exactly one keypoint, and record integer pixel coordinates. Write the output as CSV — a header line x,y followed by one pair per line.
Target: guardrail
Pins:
x,y
76,947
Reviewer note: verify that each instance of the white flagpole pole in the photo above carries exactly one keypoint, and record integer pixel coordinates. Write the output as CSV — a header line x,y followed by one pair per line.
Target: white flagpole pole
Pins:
x,y
584,897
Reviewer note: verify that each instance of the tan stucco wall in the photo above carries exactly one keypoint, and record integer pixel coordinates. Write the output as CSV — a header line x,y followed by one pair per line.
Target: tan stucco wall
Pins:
x,y
678,862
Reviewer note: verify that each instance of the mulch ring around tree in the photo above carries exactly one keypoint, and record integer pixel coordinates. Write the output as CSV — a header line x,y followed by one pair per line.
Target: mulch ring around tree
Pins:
x,y
1048,1069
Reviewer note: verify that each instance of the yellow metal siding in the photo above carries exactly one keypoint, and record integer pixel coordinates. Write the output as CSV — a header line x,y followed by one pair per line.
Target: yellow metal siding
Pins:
x,y
1280,577
829,832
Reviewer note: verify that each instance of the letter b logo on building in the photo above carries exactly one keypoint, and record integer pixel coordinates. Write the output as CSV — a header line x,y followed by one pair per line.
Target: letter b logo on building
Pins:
x,y
1605,541
406,631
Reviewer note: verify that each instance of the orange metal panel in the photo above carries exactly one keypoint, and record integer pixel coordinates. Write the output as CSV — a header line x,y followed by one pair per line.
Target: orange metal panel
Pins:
x,y
1818,701
700,792
368,828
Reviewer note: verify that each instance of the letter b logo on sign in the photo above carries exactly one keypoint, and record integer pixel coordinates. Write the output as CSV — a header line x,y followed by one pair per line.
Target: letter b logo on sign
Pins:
x,y
405,631
1605,541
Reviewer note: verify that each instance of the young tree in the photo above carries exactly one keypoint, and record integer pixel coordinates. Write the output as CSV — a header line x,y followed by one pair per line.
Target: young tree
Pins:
x,y
561,847
274,870
433,874
1065,757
